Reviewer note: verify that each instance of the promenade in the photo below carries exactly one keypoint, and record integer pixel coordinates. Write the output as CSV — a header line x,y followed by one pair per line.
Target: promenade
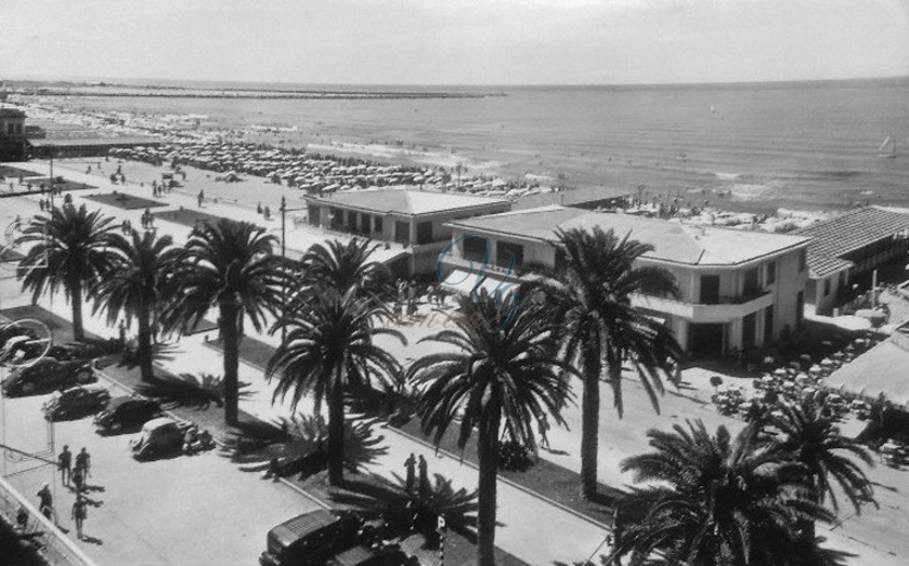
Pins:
x,y
569,537
875,536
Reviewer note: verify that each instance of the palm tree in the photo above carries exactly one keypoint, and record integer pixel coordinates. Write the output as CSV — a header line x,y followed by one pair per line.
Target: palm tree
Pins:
x,y
810,435
328,352
716,500
495,383
134,286
71,251
343,266
591,292
228,265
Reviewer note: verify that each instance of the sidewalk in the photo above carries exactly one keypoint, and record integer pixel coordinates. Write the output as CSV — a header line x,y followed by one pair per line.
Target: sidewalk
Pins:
x,y
569,537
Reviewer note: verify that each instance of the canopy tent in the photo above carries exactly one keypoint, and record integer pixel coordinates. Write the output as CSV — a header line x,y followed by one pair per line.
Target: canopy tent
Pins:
x,y
882,370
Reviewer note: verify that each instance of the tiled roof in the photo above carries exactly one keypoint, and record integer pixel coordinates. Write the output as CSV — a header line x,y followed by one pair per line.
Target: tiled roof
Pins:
x,y
672,241
834,238
406,201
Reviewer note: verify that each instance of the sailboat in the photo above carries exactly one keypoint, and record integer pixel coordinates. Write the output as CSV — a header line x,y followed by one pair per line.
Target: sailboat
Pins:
x,y
887,148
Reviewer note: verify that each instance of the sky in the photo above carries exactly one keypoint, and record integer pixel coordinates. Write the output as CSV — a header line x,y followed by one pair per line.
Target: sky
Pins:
x,y
489,42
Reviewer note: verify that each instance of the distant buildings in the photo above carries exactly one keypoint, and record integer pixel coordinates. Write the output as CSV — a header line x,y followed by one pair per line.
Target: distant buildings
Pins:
x,y
737,289
849,246
12,134
415,219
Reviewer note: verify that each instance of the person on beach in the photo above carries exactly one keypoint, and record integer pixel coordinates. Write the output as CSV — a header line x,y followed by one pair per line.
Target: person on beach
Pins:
x,y
410,466
64,464
79,514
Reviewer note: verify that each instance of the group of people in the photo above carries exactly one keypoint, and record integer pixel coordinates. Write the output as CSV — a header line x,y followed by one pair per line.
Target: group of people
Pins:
x,y
148,221
73,473
410,466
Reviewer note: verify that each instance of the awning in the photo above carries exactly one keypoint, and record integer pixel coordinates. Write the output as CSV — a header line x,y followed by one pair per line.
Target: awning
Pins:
x,y
881,370
462,281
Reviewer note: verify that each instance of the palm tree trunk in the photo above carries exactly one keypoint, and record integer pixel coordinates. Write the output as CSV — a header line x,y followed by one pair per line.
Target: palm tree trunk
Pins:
x,y
145,347
336,435
590,432
487,445
230,334
75,288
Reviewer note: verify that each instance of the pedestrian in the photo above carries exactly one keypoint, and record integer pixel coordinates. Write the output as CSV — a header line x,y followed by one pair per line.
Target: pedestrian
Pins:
x,y
543,428
41,204
46,501
64,464
84,462
79,514
424,477
78,479
200,198
410,466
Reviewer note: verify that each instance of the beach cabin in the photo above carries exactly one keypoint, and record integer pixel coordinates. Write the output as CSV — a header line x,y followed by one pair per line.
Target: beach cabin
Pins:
x,y
415,219
737,289
846,249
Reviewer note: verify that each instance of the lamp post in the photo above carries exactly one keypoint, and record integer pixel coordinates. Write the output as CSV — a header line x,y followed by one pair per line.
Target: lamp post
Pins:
x,y
284,211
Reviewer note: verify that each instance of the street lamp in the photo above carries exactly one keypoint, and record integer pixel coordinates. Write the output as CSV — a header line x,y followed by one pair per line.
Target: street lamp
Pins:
x,y
284,211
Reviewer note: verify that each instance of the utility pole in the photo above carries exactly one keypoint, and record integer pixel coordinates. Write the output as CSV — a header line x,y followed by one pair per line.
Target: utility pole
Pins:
x,y
284,211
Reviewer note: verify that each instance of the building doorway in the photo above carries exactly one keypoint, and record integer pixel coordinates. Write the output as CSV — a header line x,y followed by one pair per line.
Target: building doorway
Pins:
x,y
706,340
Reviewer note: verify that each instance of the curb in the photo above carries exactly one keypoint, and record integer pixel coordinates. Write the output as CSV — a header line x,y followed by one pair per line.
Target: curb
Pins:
x,y
505,480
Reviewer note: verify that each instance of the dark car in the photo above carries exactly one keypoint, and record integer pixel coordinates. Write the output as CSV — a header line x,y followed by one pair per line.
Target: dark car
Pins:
x,y
48,374
126,413
310,539
362,556
76,401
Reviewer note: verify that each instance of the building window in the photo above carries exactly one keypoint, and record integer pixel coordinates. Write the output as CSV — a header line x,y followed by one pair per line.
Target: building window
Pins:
x,y
710,289
424,232
826,287
402,232
768,325
377,225
314,215
803,259
751,282
474,248
504,257
771,272
799,308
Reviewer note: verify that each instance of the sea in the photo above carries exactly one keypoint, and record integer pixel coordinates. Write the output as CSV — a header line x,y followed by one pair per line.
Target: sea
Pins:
x,y
754,146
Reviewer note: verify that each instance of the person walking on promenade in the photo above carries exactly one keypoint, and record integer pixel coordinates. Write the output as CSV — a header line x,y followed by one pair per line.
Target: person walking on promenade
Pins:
x,y
543,428
84,463
65,465
410,466
200,198
79,514
424,477
78,479
46,502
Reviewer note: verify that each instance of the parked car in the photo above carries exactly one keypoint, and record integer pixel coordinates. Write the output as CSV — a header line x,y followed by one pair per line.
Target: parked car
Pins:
x,y
48,374
76,401
310,539
126,412
361,556
159,437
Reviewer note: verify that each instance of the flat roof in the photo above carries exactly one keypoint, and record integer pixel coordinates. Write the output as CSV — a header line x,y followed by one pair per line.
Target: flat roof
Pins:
x,y
849,232
405,201
672,241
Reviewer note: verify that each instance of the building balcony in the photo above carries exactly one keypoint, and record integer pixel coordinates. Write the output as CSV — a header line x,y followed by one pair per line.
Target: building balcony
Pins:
x,y
731,309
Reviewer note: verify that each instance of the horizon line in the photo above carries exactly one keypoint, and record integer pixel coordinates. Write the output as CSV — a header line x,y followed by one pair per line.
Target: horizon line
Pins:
x,y
159,81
